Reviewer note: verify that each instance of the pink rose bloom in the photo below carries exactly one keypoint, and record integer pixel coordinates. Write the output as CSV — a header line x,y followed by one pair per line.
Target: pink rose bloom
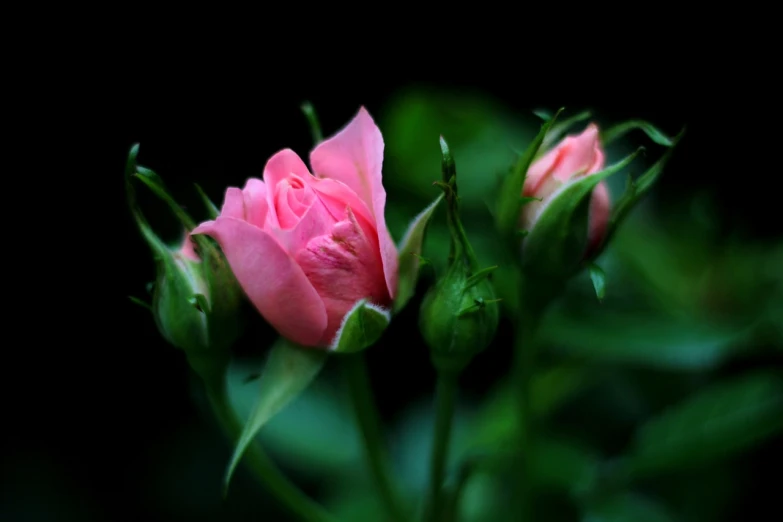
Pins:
x,y
305,248
572,158
188,250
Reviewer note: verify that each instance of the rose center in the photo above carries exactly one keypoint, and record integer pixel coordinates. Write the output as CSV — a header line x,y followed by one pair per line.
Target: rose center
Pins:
x,y
292,199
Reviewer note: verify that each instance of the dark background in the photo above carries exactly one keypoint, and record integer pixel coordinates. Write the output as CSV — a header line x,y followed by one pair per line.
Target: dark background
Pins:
x,y
119,396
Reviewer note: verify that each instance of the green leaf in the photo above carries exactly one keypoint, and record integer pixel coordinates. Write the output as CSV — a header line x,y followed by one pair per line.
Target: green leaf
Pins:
x,y
130,163
357,502
497,422
626,507
479,129
362,326
543,114
311,434
139,302
200,302
409,257
613,133
212,211
150,176
288,371
312,119
555,245
524,200
598,277
565,465
155,184
509,201
635,190
506,280
478,277
724,419
155,243
642,339
482,499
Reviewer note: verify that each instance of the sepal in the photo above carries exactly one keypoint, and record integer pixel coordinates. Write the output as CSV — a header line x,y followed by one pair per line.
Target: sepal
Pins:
x,y
362,326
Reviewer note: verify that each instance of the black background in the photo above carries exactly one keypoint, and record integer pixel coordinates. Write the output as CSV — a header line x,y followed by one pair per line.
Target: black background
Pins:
x,y
110,392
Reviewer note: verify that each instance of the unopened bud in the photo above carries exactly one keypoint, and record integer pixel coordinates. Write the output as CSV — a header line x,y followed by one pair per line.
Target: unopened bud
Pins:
x,y
459,315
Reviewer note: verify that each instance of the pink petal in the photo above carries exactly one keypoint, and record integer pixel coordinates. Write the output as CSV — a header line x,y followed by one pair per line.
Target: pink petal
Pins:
x,y
278,168
272,281
540,170
255,199
354,156
316,221
292,199
188,248
600,159
337,197
600,205
579,154
574,155
343,268
233,204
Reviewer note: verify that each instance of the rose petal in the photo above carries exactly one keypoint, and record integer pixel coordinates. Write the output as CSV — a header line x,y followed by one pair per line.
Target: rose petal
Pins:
x,y
316,221
273,282
337,197
354,156
291,202
188,249
600,158
256,206
600,204
343,268
233,204
579,154
540,170
574,155
279,167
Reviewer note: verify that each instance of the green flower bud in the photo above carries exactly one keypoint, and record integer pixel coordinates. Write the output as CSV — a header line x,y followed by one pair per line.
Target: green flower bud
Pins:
x,y
180,298
196,299
459,315
195,305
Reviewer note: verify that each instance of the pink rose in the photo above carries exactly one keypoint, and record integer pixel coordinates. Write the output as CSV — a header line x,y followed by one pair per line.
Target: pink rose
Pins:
x,y
573,157
305,248
188,250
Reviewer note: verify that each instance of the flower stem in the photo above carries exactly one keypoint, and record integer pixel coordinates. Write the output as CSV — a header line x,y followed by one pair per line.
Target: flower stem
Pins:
x,y
533,302
369,425
278,484
445,398
524,358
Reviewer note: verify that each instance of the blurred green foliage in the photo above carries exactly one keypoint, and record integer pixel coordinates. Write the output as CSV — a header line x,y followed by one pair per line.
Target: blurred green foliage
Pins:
x,y
645,399
641,420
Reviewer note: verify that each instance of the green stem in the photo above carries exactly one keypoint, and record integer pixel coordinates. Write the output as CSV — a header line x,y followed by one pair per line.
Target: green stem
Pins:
x,y
470,466
369,426
283,489
524,359
451,503
533,304
445,398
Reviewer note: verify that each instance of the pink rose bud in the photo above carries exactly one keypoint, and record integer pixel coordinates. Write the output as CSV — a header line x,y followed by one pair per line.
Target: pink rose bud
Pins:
x,y
305,248
572,158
